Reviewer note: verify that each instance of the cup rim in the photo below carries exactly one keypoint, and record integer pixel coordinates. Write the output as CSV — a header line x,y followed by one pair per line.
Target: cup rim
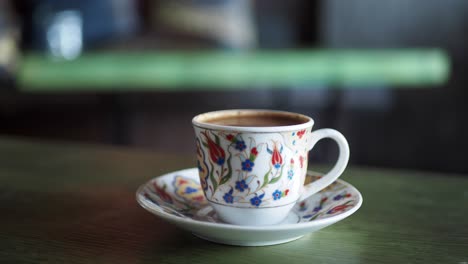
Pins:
x,y
197,121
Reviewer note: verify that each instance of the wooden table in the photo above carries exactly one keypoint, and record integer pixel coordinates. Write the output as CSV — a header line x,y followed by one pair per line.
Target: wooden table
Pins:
x,y
65,203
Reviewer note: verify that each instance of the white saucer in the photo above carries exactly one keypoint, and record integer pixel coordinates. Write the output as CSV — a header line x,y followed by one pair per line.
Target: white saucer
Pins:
x,y
178,198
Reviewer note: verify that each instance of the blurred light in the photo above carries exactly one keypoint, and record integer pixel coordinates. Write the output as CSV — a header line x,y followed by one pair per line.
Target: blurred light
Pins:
x,y
419,68
65,35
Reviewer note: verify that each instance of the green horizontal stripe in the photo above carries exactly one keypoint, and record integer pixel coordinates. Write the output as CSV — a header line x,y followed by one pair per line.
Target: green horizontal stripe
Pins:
x,y
221,70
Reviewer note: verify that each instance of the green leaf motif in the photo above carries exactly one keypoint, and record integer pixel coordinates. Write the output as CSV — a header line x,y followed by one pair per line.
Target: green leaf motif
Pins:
x,y
315,217
265,178
229,174
281,172
216,139
275,179
213,180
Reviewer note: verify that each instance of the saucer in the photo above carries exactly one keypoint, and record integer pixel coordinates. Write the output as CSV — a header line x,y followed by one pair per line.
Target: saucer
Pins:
x,y
177,197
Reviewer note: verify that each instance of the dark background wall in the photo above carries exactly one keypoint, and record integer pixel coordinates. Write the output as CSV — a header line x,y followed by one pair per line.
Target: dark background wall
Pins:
x,y
407,127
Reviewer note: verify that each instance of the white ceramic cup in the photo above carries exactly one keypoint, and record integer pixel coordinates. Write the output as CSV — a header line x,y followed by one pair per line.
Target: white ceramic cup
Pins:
x,y
254,175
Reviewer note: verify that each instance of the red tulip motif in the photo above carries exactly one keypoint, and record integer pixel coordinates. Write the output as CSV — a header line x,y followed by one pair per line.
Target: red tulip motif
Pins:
x,y
217,154
301,133
161,191
301,161
276,158
338,208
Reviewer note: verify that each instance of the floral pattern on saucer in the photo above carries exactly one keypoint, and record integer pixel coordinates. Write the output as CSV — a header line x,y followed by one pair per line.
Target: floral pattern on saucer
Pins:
x,y
177,197
182,195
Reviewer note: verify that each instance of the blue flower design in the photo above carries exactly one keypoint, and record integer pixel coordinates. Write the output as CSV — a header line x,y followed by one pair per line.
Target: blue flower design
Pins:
x,y
220,161
290,174
241,185
338,197
277,166
228,197
318,208
189,190
277,195
257,200
247,165
240,145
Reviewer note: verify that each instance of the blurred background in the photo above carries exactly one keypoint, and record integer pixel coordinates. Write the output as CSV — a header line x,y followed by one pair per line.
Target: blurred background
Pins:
x,y
390,75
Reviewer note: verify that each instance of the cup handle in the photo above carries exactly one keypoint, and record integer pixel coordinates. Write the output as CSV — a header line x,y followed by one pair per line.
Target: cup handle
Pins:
x,y
340,164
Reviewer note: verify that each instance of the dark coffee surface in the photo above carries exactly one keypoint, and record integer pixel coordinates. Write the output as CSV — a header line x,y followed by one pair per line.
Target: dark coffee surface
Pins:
x,y
256,120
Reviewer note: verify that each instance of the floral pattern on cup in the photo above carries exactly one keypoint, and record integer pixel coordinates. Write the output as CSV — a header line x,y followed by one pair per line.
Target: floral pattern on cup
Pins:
x,y
229,173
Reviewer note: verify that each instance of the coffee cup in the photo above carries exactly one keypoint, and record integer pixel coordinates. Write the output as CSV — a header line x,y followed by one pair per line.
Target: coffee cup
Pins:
x,y
252,163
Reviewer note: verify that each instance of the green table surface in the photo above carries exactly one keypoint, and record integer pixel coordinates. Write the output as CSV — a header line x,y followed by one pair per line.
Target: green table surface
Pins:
x,y
75,203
